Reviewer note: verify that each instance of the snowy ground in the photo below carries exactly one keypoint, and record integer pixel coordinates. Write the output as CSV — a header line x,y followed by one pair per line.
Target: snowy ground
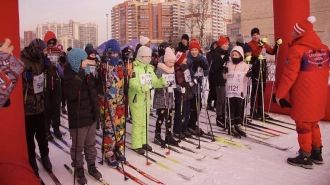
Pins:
x,y
258,165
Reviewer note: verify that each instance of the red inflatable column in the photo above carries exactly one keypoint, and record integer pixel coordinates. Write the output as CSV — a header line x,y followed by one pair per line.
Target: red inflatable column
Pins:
x,y
286,14
14,166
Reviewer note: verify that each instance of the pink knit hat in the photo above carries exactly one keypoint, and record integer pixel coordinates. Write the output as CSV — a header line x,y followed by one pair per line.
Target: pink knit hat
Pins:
x,y
169,55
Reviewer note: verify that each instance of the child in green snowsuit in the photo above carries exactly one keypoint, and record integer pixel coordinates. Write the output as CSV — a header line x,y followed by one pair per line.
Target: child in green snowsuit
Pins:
x,y
142,79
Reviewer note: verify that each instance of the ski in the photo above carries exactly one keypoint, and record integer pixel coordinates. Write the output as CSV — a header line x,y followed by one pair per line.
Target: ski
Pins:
x,y
227,141
224,132
51,174
273,123
62,140
143,173
179,152
203,146
266,144
129,176
273,119
60,147
71,172
267,128
164,166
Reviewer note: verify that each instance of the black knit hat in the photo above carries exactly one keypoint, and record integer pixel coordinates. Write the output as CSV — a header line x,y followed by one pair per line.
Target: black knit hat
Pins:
x,y
185,36
247,48
255,30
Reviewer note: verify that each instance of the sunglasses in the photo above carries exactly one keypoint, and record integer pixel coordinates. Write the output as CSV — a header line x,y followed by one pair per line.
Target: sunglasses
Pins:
x,y
51,42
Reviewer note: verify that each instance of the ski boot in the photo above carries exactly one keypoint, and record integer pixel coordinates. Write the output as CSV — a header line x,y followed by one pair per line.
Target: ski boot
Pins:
x,y
49,136
210,107
256,115
303,160
158,139
316,155
140,151
81,179
46,163
239,130
147,147
220,122
169,138
179,136
94,172
112,162
57,132
233,132
187,133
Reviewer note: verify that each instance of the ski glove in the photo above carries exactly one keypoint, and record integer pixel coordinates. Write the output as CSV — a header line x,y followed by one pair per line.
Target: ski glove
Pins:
x,y
46,60
263,41
60,70
248,58
260,57
278,41
28,75
282,102
195,65
163,81
203,65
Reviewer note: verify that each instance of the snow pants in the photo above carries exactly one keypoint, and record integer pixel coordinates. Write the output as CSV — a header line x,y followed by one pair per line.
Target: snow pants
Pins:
x,y
86,142
53,101
309,135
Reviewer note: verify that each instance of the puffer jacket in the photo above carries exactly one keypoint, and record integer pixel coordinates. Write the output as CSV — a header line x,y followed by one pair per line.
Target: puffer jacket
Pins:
x,y
305,77
34,103
180,80
89,109
220,58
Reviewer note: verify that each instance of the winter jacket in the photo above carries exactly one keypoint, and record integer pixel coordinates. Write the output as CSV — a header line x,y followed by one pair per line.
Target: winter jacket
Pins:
x,y
182,48
305,77
52,69
88,109
34,103
161,102
257,50
220,58
180,80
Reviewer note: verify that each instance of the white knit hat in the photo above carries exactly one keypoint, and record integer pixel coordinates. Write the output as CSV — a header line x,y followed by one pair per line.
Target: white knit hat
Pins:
x,y
144,40
143,52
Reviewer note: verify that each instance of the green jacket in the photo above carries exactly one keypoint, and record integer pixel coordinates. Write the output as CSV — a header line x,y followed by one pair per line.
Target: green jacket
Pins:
x,y
33,103
135,94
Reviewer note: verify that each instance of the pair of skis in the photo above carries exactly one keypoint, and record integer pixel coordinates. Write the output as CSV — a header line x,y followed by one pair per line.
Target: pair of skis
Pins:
x,y
50,173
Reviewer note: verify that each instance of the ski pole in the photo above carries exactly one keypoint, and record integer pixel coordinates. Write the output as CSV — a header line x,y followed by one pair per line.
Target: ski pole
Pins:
x,y
208,117
166,119
270,98
197,109
262,93
255,95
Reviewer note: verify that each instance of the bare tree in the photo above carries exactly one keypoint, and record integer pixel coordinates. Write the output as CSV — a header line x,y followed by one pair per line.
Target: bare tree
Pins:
x,y
208,39
200,11
190,24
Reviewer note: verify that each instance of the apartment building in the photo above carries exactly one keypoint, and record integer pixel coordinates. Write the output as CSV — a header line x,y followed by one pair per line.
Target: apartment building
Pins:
x,y
160,21
28,37
81,34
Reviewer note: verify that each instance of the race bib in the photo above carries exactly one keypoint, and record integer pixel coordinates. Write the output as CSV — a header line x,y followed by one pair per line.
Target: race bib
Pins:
x,y
38,83
199,72
92,69
146,79
53,59
170,78
187,76
235,84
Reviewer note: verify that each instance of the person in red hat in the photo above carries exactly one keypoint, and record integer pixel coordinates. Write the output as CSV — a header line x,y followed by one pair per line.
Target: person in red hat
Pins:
x,y
220,58
259,50
305,80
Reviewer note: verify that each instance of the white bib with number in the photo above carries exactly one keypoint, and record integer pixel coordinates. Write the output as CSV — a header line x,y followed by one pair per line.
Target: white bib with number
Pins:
x,y
170,78
146,79
187,76
92,69
53,59
38,83
235,84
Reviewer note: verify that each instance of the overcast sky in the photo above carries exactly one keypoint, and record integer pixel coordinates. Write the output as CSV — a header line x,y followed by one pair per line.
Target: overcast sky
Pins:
x,y
33,12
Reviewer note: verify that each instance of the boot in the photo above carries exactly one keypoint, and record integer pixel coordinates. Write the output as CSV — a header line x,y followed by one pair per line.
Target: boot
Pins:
x,y
49,136
98,125
112,162
46,163
220,122
233,132
210,107
158,139
81,179
94,172
303,160
260,111
239,130
119,155
57,133
64,111
140,151
179,136
147,147
169,139
316,155
33,163
256,115
187,133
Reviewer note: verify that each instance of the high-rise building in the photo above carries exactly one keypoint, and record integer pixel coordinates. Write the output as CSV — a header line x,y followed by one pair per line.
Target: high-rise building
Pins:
x,y
28,37
160,21
217,15
80,33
